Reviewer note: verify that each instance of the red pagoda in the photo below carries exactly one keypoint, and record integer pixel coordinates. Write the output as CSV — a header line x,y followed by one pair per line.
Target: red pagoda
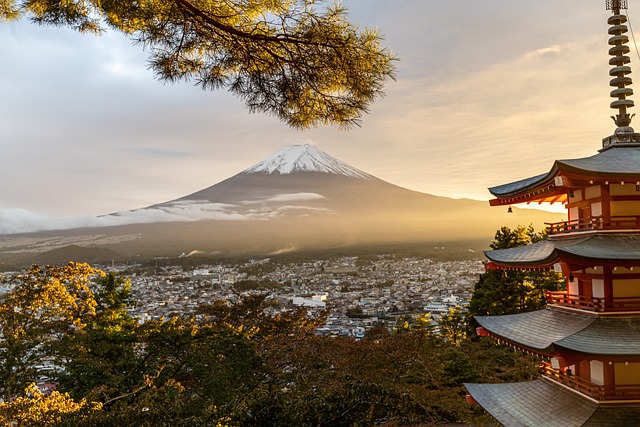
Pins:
x,y
588,335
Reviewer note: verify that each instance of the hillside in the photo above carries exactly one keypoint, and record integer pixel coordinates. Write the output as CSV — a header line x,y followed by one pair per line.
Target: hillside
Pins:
x,y
298,199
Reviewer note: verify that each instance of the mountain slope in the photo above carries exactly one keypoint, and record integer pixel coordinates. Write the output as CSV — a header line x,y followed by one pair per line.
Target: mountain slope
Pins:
x,y
298,198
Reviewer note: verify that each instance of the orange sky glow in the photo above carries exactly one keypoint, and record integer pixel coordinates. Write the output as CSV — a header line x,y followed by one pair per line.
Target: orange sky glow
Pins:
x,y
486,93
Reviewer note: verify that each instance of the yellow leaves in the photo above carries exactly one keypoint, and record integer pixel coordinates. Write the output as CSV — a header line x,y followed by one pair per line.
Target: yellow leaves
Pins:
x,y
17,333
174,384
252,331
423,321
223,422
240,330
54,292
37,409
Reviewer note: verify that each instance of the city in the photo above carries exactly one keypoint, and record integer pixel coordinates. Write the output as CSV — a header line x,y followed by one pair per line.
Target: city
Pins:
x,y
358,293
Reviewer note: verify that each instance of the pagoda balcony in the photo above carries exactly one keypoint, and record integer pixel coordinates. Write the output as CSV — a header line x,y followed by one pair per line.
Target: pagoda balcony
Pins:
x,y
596,223
616,304
595,391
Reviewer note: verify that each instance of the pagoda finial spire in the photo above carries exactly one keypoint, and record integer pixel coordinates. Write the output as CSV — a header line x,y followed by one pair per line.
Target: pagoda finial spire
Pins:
x,y
620,70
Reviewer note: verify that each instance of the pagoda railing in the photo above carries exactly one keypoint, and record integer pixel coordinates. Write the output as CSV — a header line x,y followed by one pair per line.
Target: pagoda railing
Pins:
x,y
576,383
598,392
565,299
627,222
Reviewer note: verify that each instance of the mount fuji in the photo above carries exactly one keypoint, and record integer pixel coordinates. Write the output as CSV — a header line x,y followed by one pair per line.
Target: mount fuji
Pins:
x,y
298,198
305,158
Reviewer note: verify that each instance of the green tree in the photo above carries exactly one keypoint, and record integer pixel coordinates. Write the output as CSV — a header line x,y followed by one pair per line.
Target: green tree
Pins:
x,y
298,60
453,325
210,367
459,367
501,292
42,306
101,358
506,237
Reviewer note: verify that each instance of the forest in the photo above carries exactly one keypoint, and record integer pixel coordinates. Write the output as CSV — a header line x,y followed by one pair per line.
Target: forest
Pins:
x,y
234,365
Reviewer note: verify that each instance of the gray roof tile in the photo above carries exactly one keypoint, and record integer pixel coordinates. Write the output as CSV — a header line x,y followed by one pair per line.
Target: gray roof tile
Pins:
x,y
537,330
606,336
532,404
550,329
542,404
597,247
619,160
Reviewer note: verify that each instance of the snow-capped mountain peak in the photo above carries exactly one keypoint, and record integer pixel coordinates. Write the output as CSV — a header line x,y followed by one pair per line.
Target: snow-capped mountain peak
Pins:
x,y
304,158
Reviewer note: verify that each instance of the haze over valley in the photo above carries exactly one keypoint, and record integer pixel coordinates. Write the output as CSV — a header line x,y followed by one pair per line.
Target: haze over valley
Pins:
x,y
299,198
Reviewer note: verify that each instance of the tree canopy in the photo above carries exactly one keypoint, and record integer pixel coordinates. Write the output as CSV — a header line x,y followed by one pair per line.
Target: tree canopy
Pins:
x,y
501,292
228,365
299,60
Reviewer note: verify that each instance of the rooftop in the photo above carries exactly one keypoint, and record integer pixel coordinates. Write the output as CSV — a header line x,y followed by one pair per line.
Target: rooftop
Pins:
x,y
618,161
550,330
531,403
600,248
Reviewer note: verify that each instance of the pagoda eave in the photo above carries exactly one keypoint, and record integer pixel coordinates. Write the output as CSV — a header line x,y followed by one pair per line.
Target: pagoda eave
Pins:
x,y
589,250
534,331
545,194
491,266
531,403
617,164
554,331
483,332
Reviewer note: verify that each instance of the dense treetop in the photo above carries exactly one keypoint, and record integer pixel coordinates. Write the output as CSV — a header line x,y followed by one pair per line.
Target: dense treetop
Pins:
x,y
229,365
300,60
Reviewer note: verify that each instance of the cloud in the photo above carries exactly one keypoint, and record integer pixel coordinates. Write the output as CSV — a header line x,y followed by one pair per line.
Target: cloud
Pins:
x,y
544,52
472,107
284,250
14,221
295,197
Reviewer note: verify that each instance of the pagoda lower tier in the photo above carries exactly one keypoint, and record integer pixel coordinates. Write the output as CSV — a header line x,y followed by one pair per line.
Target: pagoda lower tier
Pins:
x,y
590,376
588,336
546,403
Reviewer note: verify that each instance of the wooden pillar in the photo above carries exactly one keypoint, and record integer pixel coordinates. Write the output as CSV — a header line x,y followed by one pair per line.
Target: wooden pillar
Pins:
x,y
608,286
609,378
606,203
583,370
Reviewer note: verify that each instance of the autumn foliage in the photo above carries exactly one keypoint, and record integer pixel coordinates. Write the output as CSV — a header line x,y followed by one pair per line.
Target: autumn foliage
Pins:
x,y
229,365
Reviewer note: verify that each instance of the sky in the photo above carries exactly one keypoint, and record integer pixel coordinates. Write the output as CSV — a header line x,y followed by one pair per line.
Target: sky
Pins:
x,y
487,92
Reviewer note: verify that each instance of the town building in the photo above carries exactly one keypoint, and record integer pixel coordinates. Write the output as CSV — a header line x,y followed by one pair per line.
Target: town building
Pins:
x,y
589,334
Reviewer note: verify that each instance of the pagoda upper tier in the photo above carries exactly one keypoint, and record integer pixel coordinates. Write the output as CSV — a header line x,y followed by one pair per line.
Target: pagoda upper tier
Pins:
x,y
617,163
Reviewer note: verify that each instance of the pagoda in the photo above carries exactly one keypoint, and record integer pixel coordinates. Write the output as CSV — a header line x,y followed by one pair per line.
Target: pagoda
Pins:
x,y
588,336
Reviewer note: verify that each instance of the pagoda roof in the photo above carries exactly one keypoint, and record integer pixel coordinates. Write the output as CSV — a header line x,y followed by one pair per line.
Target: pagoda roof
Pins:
x,y
595,247
549,331
620,160
606,336
540,403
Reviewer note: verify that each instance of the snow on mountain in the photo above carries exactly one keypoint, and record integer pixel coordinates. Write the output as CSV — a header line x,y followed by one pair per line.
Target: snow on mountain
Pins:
x,y
305,158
